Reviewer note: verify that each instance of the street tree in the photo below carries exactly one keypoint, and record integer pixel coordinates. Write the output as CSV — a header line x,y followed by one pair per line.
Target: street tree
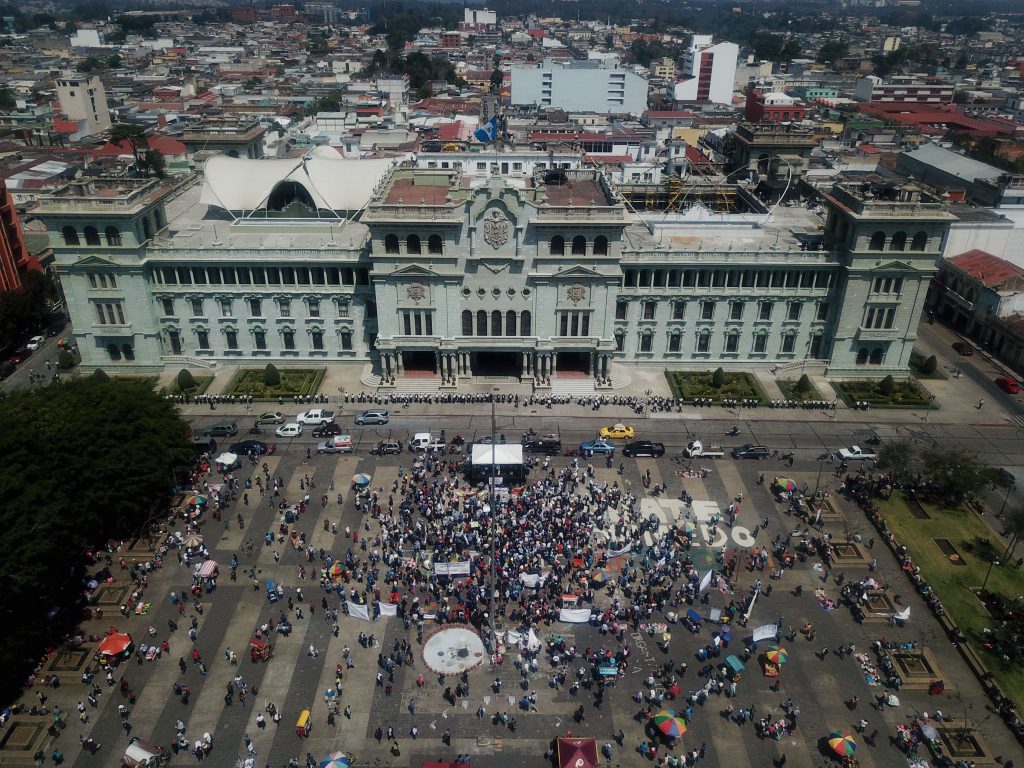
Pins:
x,y
897,458
1013,524
956,473
119,441
133,135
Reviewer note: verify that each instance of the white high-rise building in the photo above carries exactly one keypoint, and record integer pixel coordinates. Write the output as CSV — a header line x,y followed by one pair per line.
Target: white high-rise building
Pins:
x,y
709,72
84,98
580,86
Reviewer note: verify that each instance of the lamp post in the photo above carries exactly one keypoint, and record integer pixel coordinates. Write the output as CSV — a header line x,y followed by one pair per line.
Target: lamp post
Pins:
x,y
1006,498
988,573
927,413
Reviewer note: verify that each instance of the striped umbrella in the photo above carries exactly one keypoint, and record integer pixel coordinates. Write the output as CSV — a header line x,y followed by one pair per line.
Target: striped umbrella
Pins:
x,y
777,655
336,760
842,743
669,723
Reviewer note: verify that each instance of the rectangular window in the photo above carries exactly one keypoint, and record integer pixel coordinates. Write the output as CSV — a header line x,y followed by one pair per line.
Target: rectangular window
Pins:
x,y
563,324
732,342
678,310
418,323
717,279
284,307
575,324
203,339
273,276
688,278
748,278
184,276
428,323
869,319
788,343
764,310
792,279
707,310
890,316
302,275
197,307
620,309
317,276
822,279
225,308
646,342
261,339
199,275
314,307
243,275
288,275
259,276
407,323
346,342
760,343
120,313
704,342
256,307
675,342
333,276
231,339
99,315
659,278
793,310
732,279
822,310
673,278
620,342
168,306
289,339
213,273
807,279
897,285
102,279
228,274
170,275
113,281
702,278
318,339
343,309
650,307
778,278
736,310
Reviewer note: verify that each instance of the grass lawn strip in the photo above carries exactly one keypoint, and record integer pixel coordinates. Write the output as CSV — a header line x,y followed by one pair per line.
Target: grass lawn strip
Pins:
x,y
202,384
953,583
789,391
737,385
906,395
294,381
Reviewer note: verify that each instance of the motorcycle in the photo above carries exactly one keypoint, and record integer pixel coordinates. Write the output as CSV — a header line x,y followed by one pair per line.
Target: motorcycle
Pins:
x,y
733,432
255,430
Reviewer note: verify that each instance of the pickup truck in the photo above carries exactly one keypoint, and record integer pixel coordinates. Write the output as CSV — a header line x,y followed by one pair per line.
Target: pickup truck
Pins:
x,y
696,449
854,453
315,417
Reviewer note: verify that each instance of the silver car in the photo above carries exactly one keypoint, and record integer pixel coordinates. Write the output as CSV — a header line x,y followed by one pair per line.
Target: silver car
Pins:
x,y
372,416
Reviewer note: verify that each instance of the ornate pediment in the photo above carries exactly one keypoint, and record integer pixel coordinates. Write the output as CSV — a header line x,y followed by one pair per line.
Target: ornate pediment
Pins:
x,y
577,271
94,261
414,270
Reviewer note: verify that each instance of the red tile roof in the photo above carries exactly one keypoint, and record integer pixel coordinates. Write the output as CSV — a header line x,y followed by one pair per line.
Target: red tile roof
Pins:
x,y
991,271
166,145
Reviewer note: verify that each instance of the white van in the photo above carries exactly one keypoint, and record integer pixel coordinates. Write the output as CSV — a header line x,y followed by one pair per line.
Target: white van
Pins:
x,y
420,441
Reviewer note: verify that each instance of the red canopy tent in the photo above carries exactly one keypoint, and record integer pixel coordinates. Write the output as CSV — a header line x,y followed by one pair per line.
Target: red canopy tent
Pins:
x,y
577,753
115,644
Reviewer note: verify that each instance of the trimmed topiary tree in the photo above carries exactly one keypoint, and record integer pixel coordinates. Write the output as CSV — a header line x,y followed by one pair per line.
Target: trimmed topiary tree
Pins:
x,y
804,385
65,360
930,365
887,386
718,378
185,380
100,375
271,376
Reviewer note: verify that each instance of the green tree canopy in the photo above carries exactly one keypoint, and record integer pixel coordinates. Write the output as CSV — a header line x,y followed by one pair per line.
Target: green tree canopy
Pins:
x,y
897,458
955,473
271,376
718,378
119,444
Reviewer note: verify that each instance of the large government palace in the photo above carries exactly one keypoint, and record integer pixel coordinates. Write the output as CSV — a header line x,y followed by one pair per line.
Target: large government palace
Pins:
x,y
453,266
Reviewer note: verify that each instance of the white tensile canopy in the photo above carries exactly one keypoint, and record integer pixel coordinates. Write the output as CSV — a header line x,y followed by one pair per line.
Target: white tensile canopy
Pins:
x,y
240,184
504,455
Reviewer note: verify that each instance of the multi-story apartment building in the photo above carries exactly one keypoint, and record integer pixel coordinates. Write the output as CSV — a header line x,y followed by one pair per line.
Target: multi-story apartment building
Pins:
x,y
592,85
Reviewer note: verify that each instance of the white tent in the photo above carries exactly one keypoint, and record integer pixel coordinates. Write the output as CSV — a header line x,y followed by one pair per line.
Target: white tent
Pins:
x,y
240,184
503,455
227,459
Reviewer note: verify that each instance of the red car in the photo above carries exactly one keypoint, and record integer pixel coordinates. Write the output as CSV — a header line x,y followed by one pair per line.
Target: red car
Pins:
x,y
963,348
1008,385
20,355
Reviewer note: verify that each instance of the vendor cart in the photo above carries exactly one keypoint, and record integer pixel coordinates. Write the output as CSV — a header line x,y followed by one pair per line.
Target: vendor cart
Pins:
x,y
260,650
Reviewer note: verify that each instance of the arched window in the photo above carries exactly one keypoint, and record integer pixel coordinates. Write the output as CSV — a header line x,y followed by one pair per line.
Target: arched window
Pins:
x,y
876,356
412,244
391,244
70,236
877,241
467,323
524,324
496,323
579,246
481,323
898,242
128,352
92,237
920,241
510,323
113,351
862,356
435,244
557,245
113,235
600,245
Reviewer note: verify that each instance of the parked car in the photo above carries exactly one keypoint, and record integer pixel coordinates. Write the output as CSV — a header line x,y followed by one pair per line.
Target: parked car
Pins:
x,y
372,416
618,432
643,448
315,417
751,451
289,430
222,429
385,447
548,445
271,417
592,447
245,447
1004,477
1008,385
327,430
20,355
35,343
963,348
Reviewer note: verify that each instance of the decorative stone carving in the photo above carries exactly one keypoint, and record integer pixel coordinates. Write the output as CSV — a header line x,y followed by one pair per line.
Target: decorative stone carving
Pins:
x,y
576,293
497,228
417,292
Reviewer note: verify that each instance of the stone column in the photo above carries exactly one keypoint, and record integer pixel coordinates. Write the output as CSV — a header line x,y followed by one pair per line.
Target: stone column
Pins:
x,y
590,363
468,363
605,365
399,366
553,364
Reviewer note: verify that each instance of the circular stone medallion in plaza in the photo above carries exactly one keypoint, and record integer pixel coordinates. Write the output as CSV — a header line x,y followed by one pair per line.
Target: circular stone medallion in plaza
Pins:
x,y
453,649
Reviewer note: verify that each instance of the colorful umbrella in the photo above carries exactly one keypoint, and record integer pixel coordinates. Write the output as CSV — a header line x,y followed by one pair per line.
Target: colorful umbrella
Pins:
x,y
192,540
361,479
602,577
785,484
115,644
669,724
336,760
687,527
335,571
842,743
777,655
196,500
